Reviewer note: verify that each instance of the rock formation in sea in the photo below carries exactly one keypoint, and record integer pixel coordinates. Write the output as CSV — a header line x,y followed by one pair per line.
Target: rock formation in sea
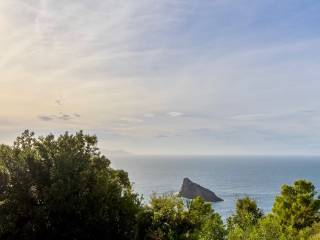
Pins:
x,y
192,190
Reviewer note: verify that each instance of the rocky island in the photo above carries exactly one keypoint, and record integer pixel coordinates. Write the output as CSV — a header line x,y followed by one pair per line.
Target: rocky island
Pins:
x,y
192,190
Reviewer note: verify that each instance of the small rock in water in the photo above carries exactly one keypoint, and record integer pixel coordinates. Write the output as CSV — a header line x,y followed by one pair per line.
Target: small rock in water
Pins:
x,y
192,190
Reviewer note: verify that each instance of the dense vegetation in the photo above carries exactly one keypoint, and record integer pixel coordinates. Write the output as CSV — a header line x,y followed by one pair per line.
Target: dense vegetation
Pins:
x,y
63,188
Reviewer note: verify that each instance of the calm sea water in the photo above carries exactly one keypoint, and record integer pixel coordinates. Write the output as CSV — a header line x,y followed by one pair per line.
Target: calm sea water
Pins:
x,y
229,177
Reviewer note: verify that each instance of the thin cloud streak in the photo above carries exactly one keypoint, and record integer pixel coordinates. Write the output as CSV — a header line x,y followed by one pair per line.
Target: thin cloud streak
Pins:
x,y
213,76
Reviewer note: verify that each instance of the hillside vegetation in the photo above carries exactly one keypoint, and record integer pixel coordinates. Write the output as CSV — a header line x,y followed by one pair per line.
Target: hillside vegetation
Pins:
x,y
64,188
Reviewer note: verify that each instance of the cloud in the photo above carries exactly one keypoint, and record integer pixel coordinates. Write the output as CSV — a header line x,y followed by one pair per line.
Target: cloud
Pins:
x,y
61,116
149,115
162,136
175,114
6,122
58,102
47,118
297,115
131,120
236,76
250,117
64,117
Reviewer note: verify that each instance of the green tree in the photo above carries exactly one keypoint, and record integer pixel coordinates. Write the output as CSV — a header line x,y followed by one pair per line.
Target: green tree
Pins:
x,y
4,177
237,233
145,227
309,233
268,228
247,214
297,207
167,218
212,228
63,188
206,224
315,232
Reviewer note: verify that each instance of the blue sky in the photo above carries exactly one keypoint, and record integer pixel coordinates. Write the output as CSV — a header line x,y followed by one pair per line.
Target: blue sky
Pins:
x,y
164,77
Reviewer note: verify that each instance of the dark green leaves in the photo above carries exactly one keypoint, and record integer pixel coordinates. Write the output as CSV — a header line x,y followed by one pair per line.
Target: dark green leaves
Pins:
x,y
63,188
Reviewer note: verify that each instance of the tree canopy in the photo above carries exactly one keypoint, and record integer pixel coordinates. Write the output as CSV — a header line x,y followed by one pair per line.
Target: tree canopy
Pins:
x,y
297,206
63,188
247,213
168,218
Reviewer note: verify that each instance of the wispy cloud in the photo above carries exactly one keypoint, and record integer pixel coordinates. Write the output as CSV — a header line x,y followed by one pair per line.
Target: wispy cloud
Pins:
x,y
149,115
61,116
175,114
205,74
58,102
131,120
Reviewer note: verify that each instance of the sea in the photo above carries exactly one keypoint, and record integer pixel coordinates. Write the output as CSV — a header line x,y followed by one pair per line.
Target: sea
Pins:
x,y
230,177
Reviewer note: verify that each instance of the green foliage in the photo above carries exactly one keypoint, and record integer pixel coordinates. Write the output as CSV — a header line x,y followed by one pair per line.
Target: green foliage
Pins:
x,y
63,189
206,224
237,233
293,215
145,229
4,177
247,214
315,232
268,228
167,218
297,207
310,233
212,229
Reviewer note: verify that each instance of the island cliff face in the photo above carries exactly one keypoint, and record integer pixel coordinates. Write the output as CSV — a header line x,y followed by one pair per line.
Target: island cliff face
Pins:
x,y
192,190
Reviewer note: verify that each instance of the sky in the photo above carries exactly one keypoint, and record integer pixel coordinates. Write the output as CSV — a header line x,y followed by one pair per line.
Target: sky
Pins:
x,y
164,76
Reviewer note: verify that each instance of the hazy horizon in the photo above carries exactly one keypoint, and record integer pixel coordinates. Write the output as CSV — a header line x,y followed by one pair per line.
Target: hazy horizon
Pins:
x,y
164,77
